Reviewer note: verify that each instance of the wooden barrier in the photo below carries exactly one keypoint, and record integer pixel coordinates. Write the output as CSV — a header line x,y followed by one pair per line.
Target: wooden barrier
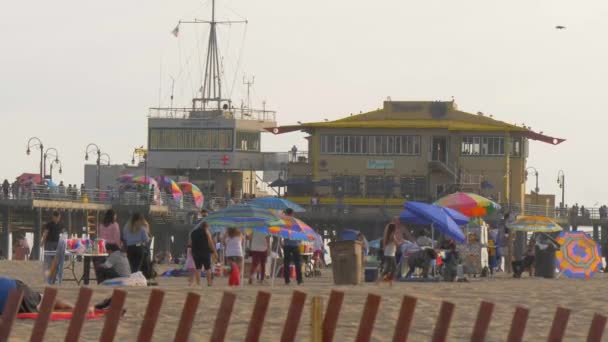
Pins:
x,y
9,313
44,314
518,325
484,316
256,323
80,313
290,329
366,326
188,315
322,328
443,322
330,321
404,322
223,317
558,328
596,330
113,316
151,316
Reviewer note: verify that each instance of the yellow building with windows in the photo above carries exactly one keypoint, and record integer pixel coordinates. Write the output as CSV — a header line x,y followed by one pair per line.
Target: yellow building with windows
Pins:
x,y
410,150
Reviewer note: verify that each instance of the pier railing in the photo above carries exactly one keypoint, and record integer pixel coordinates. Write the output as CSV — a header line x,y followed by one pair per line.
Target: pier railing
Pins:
x,y
108,197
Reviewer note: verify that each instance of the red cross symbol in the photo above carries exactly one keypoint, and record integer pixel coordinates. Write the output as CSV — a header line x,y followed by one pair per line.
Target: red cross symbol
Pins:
x,y
225,160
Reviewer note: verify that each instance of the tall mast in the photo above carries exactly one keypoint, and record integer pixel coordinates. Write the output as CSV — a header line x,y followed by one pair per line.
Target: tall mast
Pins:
x,y
211,90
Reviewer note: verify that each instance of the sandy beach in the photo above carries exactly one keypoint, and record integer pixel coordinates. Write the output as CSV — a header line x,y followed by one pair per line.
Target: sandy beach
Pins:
x,y
542,296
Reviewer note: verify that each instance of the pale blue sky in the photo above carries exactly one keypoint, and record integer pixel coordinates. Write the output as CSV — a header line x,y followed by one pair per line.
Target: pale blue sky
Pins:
x,y
74,72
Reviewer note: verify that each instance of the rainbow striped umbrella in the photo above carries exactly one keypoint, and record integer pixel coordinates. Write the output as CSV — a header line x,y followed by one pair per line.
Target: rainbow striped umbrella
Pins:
x,y
172,186
579,256
469,204
297,226
535,224
197,194
276,203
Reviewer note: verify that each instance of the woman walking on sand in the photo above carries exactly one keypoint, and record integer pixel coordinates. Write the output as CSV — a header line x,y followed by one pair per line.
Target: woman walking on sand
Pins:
x,y
136,236
201,250
390,242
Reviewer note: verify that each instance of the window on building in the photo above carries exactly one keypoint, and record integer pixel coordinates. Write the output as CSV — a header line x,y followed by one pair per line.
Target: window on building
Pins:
x,y
371,144
178,139
516,146
248,141
346,186
414,188
492,146
379,186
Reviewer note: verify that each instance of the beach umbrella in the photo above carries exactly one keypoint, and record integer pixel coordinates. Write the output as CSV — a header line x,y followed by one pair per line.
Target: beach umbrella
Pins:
x,y
196,192
578,256
535,224
244,216
171,186
297,226
437,217
468,203
276,203
126,178
410,217
375,244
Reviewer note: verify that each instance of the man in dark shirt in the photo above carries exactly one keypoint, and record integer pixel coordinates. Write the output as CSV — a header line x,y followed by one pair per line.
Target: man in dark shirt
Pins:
x,y
291,253
51,232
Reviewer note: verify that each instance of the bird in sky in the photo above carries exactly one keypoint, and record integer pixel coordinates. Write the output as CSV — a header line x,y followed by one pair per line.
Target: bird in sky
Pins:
x,y
560,27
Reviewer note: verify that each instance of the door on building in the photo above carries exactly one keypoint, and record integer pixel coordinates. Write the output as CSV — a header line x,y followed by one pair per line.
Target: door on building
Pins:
x,y
440,149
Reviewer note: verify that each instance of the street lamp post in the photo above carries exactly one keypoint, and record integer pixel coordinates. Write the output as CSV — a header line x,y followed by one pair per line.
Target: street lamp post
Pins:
x,y
108,160
36,142
51,168
198,166
90,149
561,181
53,153
536,189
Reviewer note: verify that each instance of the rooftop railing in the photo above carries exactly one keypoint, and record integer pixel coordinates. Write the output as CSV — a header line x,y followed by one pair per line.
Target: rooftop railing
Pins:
x,y
232,114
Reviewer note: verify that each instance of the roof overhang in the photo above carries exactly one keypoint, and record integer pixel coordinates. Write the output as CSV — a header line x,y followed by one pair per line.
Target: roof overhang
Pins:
x,y
543,138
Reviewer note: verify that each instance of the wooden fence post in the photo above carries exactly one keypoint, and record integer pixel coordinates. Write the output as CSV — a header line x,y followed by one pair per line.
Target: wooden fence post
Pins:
x,y
330,321
316,319
113,316
484,316
404,322
560,322
596,330
290,329
443,322
79,314
151,316
188,314
366,326
518,324
9,313
257,317
44,314
223,317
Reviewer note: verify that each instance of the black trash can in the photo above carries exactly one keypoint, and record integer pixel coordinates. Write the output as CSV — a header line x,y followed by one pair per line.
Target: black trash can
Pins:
x,y
544,263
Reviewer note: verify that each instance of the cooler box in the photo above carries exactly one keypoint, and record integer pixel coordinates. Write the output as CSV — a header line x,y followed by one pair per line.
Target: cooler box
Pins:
x,y
371,274
346,262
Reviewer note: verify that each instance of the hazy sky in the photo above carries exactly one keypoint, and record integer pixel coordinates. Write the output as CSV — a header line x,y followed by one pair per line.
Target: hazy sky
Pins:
x,y
74,72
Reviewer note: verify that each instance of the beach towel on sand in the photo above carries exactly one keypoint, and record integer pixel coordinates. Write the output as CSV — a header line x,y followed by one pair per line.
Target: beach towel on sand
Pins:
x,y
60,316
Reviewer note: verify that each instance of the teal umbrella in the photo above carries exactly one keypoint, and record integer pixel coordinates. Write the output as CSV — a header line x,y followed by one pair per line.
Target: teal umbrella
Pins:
x,y
243,216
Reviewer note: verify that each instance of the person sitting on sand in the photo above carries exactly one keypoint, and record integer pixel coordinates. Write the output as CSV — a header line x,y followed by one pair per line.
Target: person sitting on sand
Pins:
x,y
115,266
31,299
